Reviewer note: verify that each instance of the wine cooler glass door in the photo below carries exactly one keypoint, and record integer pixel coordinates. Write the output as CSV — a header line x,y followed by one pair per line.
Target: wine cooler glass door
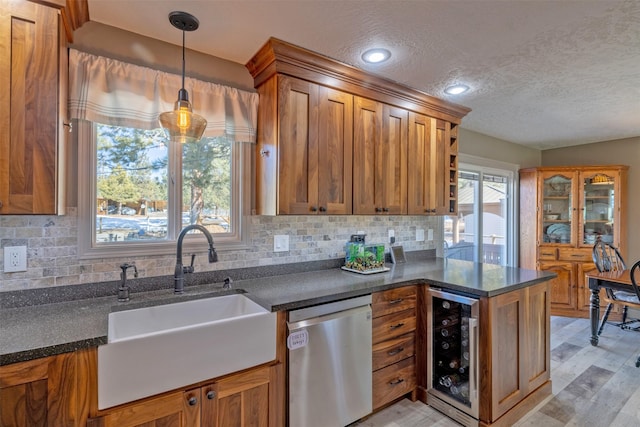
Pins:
x,y
453,357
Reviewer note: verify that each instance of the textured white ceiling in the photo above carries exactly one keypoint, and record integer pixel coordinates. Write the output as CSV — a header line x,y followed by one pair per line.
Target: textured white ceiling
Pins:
x,y
542,73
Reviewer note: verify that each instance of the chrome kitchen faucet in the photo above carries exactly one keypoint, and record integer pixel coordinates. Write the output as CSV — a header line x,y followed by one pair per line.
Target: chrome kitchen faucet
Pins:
x,y
178,277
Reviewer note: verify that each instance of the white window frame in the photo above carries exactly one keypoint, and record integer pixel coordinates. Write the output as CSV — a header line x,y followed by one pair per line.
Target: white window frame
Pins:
x,y
241,190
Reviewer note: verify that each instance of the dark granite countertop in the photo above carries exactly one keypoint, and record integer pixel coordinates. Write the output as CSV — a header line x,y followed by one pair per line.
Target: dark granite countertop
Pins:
x,y
42,330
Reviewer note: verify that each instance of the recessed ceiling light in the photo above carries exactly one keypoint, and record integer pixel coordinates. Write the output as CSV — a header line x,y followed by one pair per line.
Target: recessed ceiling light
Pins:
x,y
456,89
376,56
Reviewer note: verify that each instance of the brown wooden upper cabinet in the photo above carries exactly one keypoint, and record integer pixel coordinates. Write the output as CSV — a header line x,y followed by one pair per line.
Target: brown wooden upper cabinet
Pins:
x,y
379,158
432,166
313,177
333,139
33,75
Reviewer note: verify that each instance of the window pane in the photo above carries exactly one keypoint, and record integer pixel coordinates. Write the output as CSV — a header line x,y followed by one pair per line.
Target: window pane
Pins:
x,y
459,231
494,213
131,184
206,184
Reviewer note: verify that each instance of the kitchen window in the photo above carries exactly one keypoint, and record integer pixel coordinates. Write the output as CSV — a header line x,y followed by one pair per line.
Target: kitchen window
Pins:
x,y
137,189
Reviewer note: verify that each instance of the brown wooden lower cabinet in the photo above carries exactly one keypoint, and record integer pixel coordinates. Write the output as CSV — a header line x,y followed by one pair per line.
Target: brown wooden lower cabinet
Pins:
x,y
514,350
242,399
514,373
394,344
40,392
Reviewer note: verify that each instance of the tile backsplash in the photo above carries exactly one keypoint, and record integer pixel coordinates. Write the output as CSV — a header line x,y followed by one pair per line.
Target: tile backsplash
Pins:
x,y
52,258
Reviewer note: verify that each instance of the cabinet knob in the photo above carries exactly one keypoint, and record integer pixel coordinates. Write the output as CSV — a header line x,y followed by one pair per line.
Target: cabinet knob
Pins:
x,y
385,209
211,395
264,153
314,209
378,209
193,401
323,209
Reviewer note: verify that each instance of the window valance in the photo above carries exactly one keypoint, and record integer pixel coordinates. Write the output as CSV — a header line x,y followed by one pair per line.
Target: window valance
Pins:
x,y
117,93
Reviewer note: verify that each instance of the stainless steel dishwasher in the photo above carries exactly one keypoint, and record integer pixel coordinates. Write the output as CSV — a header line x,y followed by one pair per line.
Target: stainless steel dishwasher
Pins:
x,y
330,363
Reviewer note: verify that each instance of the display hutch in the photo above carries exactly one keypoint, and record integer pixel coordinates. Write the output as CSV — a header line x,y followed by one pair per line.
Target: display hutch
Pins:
x,y
563,212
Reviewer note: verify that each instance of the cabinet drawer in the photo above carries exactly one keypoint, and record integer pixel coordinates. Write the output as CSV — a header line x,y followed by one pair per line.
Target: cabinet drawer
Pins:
x,y
393,350
393,381
582,255
393,325
393,300
548,254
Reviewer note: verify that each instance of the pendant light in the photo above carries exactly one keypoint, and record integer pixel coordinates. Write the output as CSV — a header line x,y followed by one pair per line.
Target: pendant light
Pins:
x,y
181,124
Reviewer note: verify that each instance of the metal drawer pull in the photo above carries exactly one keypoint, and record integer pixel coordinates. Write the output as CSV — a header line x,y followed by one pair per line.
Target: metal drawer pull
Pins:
x,y
396,301
396,351
399,325
577,256
396,382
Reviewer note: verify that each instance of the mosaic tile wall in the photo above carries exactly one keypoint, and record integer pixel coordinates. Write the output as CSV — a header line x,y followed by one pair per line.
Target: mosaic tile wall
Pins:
x,y
52,246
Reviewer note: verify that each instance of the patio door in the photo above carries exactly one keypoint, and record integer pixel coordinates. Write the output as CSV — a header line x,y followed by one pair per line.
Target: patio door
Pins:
x,y
483,230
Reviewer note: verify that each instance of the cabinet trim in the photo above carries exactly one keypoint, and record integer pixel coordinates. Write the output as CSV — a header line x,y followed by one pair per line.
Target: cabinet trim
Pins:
x,y
277,56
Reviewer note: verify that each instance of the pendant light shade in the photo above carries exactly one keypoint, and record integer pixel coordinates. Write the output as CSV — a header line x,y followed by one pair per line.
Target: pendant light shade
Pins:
x,y
182,124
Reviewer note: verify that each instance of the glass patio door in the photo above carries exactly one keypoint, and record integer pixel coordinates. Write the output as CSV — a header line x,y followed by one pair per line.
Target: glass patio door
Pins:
x,y
482,230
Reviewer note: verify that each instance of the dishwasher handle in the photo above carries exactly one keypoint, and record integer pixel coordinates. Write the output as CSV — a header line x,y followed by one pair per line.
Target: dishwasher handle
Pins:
x,y
293,326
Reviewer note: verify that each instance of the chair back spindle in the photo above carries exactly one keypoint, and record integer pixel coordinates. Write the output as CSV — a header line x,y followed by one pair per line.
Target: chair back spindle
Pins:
x,y
607,257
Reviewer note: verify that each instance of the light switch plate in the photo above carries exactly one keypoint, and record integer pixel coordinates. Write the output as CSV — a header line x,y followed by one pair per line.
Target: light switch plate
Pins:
x,y
15,259
281,243
420,235
430,234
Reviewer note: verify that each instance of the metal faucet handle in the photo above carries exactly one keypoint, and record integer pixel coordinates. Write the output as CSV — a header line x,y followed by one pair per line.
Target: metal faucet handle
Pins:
x,y
227,283
123,290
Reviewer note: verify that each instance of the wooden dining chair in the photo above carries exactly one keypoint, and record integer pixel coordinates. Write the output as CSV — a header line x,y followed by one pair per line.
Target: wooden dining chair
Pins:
x,y
634,282
607,258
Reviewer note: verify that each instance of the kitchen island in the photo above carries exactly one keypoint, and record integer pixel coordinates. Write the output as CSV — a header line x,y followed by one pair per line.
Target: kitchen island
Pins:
x,y
513,303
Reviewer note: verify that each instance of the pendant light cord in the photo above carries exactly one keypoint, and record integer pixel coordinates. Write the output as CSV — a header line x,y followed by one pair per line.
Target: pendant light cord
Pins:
x,y
183,41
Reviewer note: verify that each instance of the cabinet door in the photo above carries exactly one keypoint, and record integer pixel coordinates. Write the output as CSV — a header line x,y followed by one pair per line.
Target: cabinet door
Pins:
x,y
335,151
423,174
169,410
392,160
366,141
30,39
600,207
563,287
379,158
537,331
40,392
558,216
508,355
297,146
584,293
241,400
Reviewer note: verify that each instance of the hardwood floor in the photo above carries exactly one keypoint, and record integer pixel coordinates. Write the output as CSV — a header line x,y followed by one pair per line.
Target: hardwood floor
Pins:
x,y
592,386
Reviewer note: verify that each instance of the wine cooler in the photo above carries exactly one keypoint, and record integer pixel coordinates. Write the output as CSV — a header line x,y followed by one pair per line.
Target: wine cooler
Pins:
x,y
453,356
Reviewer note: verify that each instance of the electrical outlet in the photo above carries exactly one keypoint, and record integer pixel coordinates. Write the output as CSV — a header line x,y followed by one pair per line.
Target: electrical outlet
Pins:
x,y
15,259
430,234
392,236
281,243
420,235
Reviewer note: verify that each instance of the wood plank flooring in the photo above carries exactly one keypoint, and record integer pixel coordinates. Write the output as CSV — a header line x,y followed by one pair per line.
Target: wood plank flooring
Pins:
x,y
592,386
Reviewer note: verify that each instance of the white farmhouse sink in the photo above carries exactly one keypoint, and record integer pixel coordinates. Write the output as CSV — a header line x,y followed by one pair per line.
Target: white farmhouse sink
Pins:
x,y
156,349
